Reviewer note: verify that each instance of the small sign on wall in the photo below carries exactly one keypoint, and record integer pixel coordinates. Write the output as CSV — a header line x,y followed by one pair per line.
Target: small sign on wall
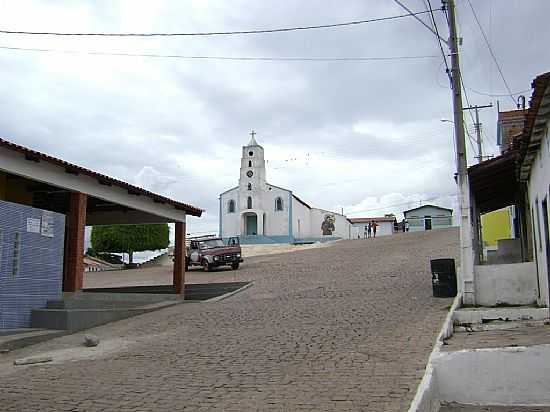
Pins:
x,y
33,225
47,224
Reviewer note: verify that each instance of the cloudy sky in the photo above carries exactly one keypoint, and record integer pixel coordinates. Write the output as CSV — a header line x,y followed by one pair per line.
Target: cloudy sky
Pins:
x,y
364,136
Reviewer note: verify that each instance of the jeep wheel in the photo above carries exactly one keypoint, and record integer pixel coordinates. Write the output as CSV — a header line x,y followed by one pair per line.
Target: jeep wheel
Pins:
x,y
235,265
206,266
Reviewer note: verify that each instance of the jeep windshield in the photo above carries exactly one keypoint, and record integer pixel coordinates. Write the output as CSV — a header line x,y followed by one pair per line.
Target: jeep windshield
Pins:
x,y
211,243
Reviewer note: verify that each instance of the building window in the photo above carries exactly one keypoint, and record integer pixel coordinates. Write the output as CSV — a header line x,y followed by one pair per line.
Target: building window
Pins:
x,y
278,204
231,206
250,163
251,153
250,186
249,203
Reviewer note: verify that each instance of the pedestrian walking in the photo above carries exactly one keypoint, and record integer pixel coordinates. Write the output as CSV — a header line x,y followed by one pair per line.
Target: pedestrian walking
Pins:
x,y
365,232
374,226
369,229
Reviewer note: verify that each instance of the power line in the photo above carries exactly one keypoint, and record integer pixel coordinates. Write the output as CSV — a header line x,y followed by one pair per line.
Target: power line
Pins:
x,y
438,37
492,53
218,33
495,95
236,58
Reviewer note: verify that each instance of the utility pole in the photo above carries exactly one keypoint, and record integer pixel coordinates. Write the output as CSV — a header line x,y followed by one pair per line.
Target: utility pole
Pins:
x,y
466,276
477,127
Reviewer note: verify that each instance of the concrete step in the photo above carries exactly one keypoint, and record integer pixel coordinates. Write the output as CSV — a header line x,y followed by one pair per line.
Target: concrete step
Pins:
x,y
93,304
12,339
78,319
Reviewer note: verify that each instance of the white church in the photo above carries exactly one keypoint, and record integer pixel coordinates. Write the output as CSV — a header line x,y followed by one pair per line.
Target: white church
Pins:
x,y
259,212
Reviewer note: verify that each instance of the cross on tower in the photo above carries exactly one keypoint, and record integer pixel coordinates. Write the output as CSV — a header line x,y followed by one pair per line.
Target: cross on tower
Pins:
x,y
253,133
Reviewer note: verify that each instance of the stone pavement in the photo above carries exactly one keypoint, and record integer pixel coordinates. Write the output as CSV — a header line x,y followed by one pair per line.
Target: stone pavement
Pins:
x,y
348,327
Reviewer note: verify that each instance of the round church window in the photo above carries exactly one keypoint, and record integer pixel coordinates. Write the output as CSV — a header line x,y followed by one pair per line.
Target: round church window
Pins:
x,y
251,153
249,173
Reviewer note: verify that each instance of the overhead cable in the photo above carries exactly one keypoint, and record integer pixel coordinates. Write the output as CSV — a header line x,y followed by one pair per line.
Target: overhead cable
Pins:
x,y
493,94
438,37
217,33
237,58
492,53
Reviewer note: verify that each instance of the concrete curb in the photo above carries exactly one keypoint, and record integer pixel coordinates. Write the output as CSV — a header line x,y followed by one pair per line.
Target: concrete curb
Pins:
x,y
425,399
227,295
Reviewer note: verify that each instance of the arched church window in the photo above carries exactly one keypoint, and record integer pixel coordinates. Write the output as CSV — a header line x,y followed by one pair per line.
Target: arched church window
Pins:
x,y
250,186
278,204
231,206
249,202
250,163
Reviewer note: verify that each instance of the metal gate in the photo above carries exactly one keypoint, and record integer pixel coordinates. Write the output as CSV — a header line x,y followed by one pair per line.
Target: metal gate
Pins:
x,y
31,261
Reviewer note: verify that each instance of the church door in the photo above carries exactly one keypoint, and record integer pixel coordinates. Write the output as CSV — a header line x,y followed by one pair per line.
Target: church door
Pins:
x,y
251,225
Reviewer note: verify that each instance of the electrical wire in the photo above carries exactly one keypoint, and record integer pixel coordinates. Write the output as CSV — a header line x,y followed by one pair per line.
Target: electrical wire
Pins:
x,y
438,37
492,53
237,58
495,95
218,33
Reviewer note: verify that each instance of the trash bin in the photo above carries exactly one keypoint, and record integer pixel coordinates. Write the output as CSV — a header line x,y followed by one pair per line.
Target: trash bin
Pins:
x,y
443,278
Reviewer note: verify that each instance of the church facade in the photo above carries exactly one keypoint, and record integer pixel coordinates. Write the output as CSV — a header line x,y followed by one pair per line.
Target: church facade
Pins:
x,y
259,212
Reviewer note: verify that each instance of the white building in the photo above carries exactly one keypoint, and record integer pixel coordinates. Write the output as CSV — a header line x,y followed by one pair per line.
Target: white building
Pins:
x,y
535,171
385,226
428,217
259,212
519,177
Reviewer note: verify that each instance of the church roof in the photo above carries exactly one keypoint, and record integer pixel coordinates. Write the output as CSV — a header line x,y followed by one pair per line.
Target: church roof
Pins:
x,y
252,142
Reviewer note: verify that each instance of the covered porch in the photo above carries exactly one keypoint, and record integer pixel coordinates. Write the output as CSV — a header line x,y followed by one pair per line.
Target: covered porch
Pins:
x,y
505,275
44,183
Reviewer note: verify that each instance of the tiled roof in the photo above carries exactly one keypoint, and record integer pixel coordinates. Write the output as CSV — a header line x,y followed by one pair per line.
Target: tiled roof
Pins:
x,y
102,179
535,122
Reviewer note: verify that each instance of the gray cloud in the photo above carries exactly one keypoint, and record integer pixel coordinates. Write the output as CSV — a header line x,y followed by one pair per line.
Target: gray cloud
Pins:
x,y
372,128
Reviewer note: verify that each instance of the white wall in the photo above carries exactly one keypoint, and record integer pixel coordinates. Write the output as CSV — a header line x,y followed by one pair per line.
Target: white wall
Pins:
x,y
383,229
512,284
276,222
538,188
496,376
342,227
230,221
301,220
439,218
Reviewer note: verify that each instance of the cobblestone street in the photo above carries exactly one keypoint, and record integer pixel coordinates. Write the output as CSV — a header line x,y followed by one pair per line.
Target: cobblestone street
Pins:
x,y
347,327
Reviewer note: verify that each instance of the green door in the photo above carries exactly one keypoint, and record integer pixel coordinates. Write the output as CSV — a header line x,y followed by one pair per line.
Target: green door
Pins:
x,y
251,225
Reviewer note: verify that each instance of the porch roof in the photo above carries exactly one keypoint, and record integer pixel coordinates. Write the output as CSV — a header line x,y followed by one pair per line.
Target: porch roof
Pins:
x,y
494,183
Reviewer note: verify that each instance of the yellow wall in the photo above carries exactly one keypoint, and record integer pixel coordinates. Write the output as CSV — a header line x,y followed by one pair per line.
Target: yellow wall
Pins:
x,y
3,186
495,225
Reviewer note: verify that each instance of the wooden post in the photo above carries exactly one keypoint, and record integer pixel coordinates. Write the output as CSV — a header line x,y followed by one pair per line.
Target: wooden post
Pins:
x,y
74,243
179,259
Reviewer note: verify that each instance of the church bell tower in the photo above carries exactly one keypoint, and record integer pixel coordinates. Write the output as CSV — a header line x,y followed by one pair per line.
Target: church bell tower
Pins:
x,y
252,176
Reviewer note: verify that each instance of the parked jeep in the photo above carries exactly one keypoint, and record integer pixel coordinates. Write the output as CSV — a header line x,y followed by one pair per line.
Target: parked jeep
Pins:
x,y
210,252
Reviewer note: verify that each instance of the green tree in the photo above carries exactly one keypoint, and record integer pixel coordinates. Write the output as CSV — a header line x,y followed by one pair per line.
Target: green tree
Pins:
x,y
129,238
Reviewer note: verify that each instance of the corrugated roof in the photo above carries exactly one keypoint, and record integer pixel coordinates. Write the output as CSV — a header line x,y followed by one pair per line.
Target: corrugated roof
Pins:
x,y
102,179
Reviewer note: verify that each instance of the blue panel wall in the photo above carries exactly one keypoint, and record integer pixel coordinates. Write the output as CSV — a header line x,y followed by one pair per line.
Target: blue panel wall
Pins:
x,y
32,274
